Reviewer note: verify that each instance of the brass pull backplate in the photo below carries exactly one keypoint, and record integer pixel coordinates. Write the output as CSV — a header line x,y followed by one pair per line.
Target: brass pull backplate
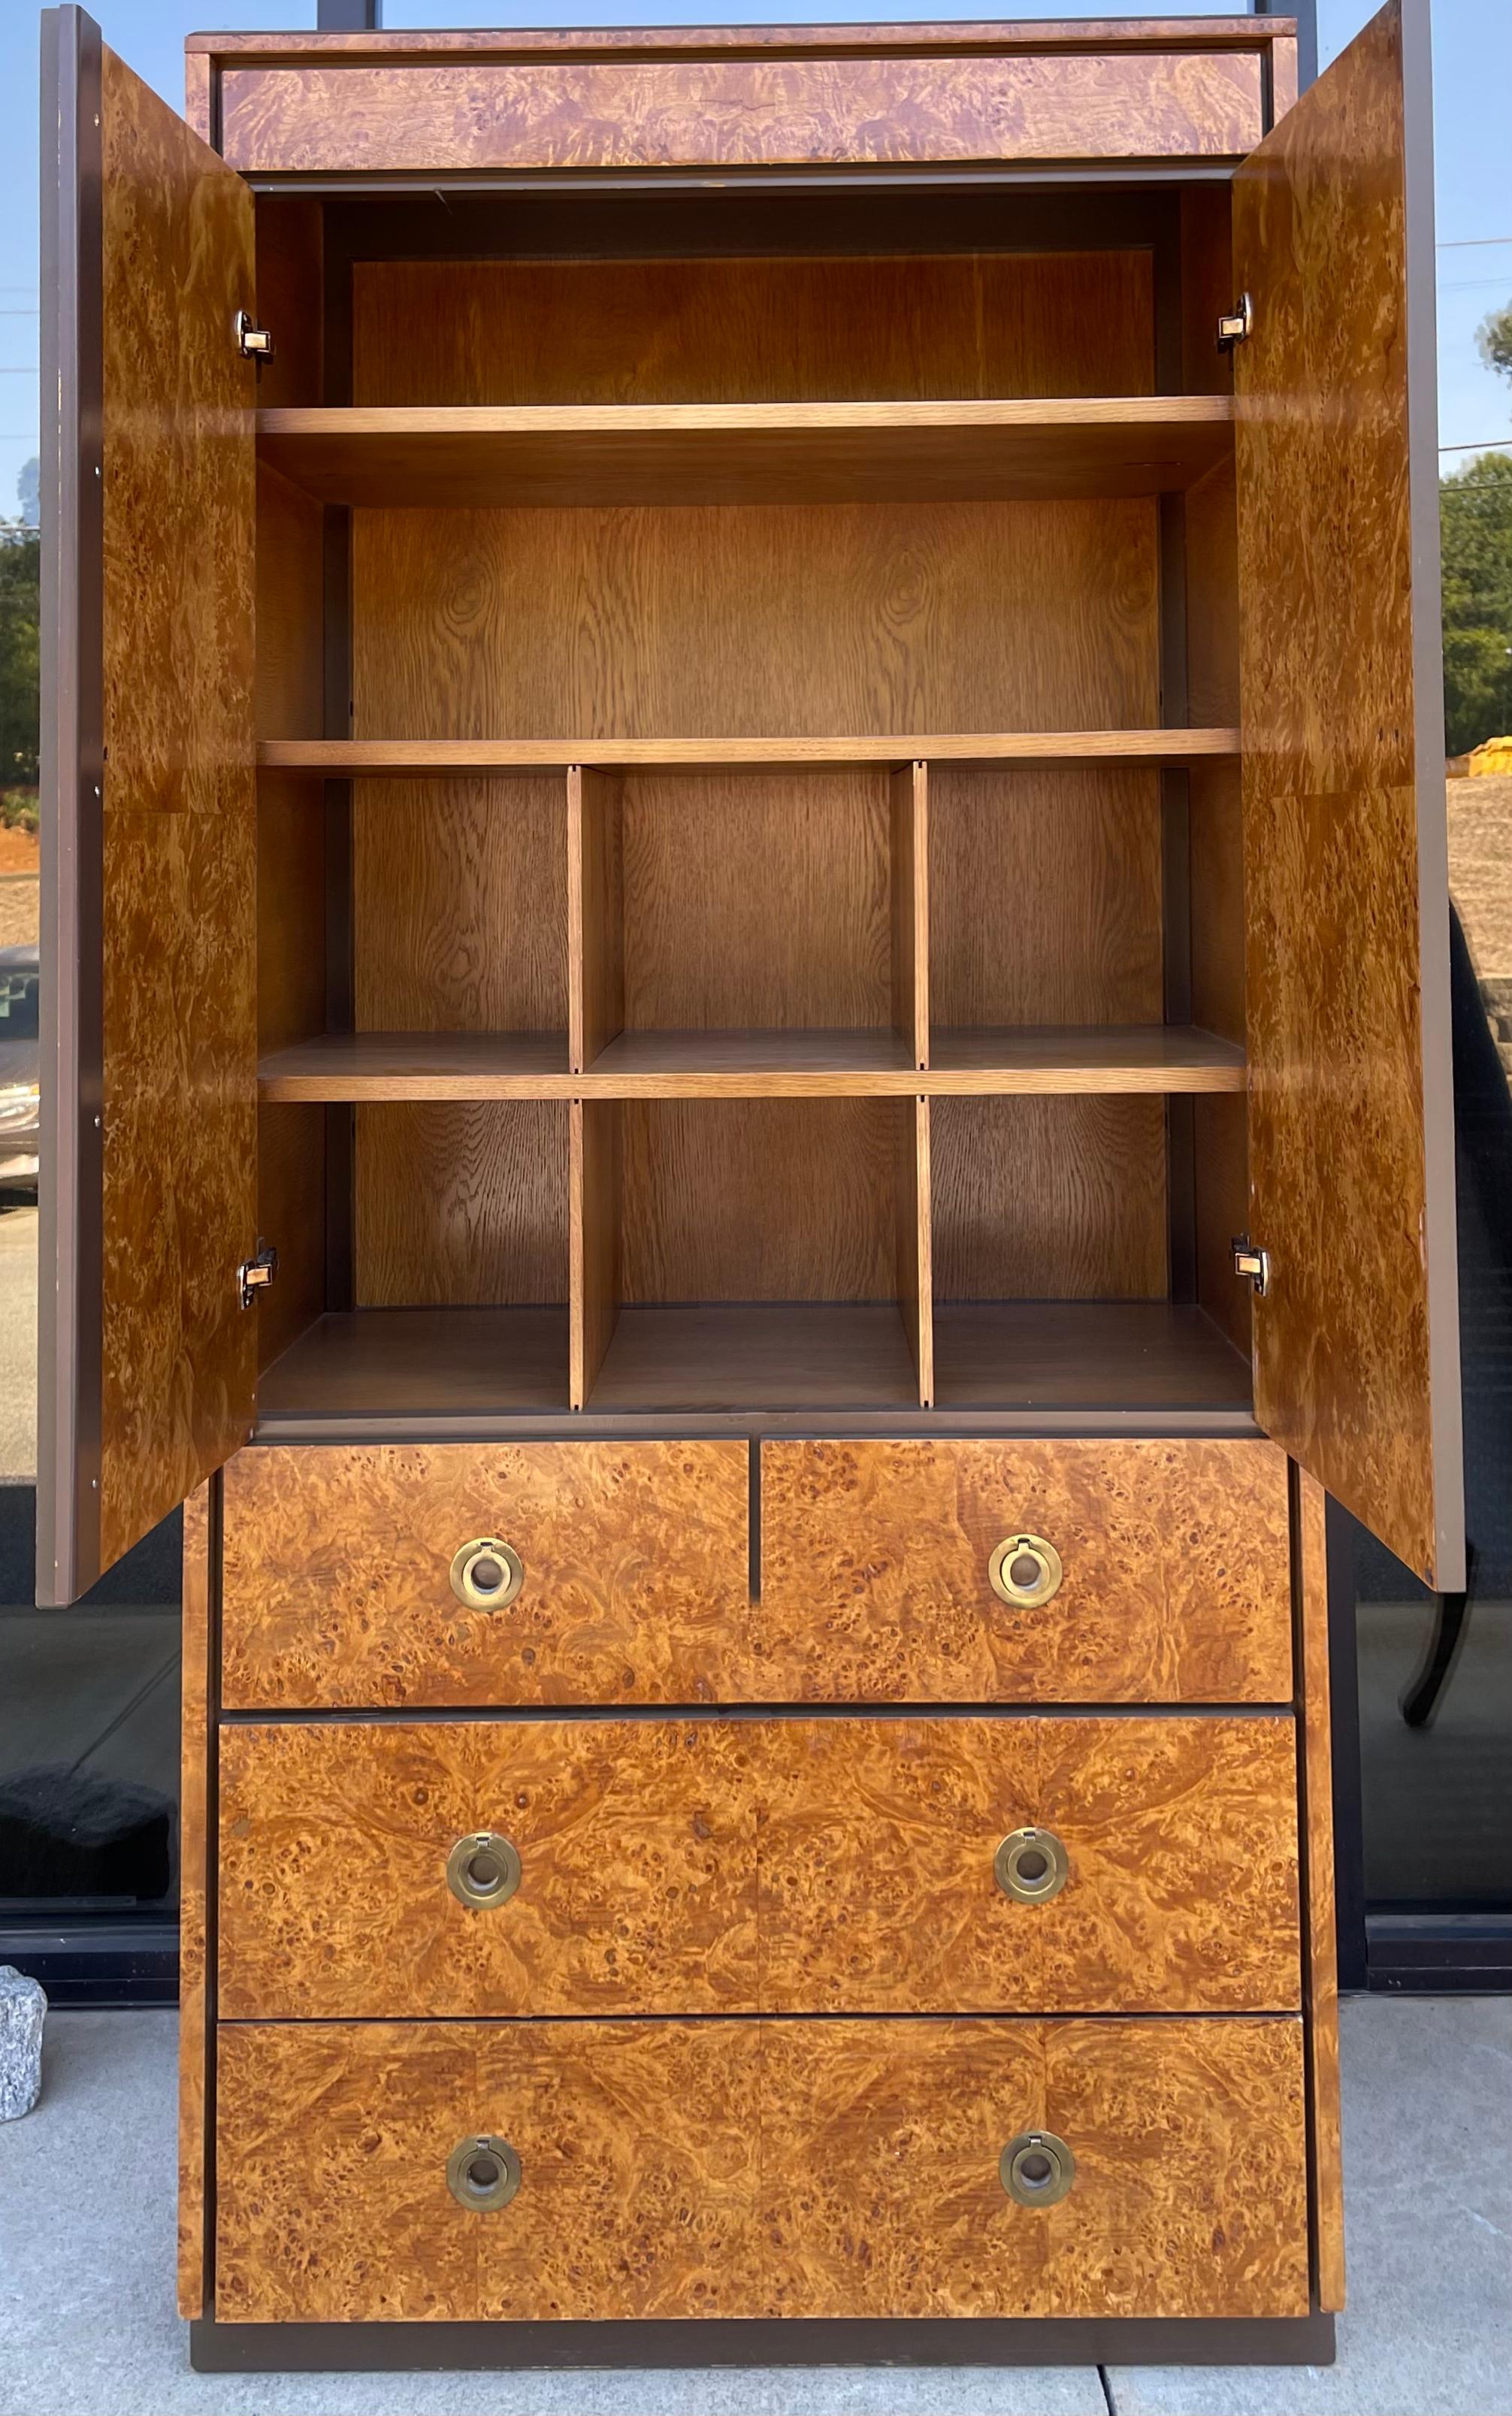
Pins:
x,y
1025,1571
486,1574
1037,2169
1032,1865
483,1870
483,2174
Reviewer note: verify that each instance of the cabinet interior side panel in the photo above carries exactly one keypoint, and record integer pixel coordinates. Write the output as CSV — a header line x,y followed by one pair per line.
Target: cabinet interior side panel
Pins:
x,y
820,329
290,232
747,1199
458,905
1045,895
291,1214
731,621
459,1205
1046,1199
754,901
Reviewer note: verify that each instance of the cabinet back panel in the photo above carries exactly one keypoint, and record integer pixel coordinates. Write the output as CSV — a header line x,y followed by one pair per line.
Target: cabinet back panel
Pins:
x,y
1046,1199
461,1205
751,901
753,330
1045,895
460,905
759,1198
745,621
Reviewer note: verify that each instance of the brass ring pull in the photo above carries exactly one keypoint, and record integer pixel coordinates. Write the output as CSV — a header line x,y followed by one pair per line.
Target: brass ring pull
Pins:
x,y
483,2174
483,1870
1025,1571
1037,2169
486,1574
1032,1865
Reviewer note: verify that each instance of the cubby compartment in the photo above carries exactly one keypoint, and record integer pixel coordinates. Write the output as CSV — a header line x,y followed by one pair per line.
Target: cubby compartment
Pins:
x,y
758,1253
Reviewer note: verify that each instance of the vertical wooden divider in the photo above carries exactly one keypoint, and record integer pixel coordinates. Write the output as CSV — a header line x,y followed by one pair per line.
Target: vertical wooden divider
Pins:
x,y
911,1021
595,1013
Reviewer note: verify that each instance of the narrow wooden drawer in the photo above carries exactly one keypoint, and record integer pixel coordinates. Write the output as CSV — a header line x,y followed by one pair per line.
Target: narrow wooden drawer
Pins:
x,y
637,1868
789,1865
876,1571
747,2168
634,1577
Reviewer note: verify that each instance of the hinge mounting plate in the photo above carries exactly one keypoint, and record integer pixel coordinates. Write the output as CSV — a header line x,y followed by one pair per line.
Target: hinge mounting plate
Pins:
x,y
1237,325
253,343
1254,1263
254,1274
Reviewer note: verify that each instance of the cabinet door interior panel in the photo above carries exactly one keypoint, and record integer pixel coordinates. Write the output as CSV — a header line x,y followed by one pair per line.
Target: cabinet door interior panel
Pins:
x,y
1175,1587
636,1853
634,1575
729,621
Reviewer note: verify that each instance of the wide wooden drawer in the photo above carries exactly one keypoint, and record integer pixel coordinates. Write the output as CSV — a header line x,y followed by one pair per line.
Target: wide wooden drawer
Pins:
x,y
793,1866
634,1573
730,2168
876,1571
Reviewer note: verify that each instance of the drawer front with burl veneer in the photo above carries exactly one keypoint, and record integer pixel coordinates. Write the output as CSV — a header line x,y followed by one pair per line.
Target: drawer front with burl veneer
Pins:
x,y
468,2170
489,1574
1023,1571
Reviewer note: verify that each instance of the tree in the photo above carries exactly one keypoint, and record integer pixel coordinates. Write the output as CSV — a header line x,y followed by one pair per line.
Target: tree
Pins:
x,y
1494,337
1476,512
21,568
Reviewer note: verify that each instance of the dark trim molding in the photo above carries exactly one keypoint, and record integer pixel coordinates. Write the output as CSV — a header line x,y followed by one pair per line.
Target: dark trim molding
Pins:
x,y
1439,1954
925,2340
103,1965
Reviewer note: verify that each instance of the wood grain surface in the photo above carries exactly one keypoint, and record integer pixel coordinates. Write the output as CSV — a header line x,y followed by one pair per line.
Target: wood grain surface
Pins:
x,y
880,2146
627,454
1176,1585
636,1841
990,37
724,621
636,1585
439,114
458,1206
877,1888
179,1019
1350,1146
196,2017
638,2150
1320,1954
1049,1199
398,758
841,329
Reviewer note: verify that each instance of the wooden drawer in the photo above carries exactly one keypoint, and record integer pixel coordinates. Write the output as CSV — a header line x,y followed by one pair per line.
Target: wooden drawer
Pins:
x,y
746,2168
879,1838
638,1856
337,1590
1176,1585
793,1866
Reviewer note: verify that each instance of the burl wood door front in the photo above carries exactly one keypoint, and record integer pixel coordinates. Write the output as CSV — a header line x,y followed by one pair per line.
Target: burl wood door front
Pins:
x,y
149,1101
1350,1100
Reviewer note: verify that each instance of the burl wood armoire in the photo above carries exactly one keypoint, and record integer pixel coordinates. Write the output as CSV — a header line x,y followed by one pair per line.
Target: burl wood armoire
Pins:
x,y
746,912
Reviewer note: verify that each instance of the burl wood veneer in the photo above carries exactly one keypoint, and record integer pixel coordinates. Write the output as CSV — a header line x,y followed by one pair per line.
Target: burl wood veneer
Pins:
x,y
639,2145
636,1841
745,2169
337,1584
1176,1588
789,1865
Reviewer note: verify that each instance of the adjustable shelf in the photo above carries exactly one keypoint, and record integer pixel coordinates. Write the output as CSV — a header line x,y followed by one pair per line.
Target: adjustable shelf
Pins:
x,y
615,454
407,759
374,1066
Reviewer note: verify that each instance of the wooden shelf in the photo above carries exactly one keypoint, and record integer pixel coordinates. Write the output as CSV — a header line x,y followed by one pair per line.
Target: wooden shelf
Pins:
x,y
406,759
425,1362
612,454
1114,1355
421,1065
768,1356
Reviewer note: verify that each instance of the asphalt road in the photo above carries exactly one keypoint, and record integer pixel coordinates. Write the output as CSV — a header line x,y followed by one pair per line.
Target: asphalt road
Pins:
x,y
18,1340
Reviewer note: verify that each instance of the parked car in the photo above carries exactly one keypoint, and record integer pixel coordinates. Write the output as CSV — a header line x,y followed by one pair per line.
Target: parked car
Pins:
x,y
20,1067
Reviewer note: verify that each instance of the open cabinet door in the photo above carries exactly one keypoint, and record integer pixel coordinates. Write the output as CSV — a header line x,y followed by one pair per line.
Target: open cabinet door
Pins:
x,y
1352,1120
148,1004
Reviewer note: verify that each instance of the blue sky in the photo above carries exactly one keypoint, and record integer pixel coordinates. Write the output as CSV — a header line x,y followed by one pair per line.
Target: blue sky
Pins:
x,y
1473,77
